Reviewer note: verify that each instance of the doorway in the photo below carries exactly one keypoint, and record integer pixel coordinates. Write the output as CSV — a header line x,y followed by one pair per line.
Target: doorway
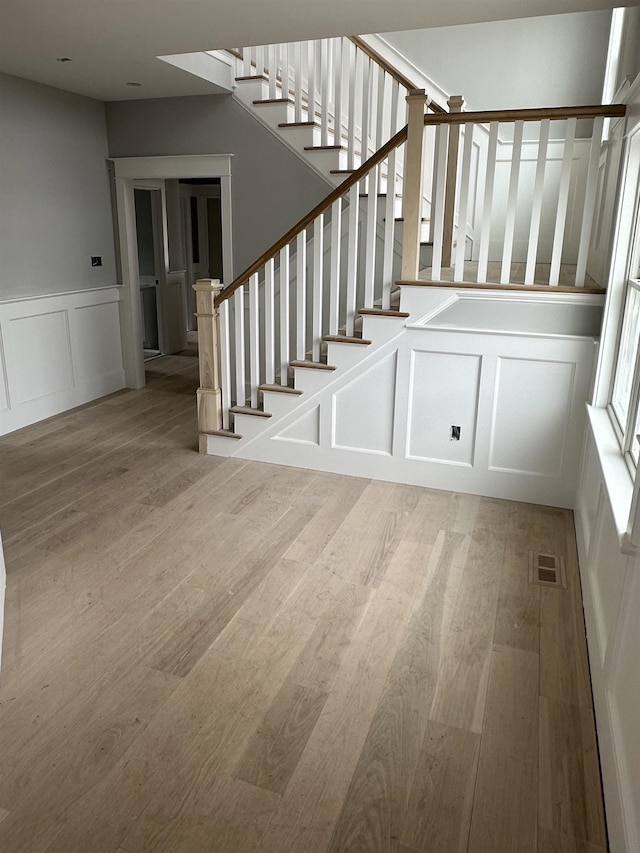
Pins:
x,y
202,233
149,268
173,289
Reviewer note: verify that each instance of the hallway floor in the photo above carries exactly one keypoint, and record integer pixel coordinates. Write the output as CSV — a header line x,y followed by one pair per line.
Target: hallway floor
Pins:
x,y
218,655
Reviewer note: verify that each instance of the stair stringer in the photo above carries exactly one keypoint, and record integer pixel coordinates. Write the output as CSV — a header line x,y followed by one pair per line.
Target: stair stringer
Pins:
x,y
388,416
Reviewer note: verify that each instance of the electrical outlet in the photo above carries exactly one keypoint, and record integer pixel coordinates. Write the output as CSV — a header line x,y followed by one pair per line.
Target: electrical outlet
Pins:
x,y
96,261
455,433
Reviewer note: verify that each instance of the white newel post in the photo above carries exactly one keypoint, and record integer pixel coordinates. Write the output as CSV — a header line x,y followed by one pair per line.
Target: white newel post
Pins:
x,y
412,194
209,394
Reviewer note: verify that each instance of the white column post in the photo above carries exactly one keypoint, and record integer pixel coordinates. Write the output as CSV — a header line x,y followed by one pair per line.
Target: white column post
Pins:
x,y
209,394
412,191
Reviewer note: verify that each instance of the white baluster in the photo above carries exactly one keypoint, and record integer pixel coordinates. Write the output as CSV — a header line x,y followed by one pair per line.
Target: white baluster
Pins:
x,y
591,190
269,323
318,270
512,203
225,363
353,57
311,81
297,81
324,92
272,70
463,212
487,204
364,124
536,204
389,227
372,238
285,61
380,108
254,338
238,307
437,201
334,268
284,315
301,295
563,199
260,58
352,258
337,87
246,61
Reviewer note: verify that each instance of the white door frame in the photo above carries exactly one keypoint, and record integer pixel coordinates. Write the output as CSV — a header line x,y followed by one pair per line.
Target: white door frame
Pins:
x,y
144,171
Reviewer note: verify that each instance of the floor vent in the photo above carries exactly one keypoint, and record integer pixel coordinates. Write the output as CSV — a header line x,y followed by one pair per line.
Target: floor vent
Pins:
x,y
547,570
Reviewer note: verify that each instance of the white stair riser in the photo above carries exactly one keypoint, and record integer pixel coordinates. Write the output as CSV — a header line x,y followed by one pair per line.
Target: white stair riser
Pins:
x,y
249,91
344,356
381,329
300,137
248,426
326,160
217,445
278,403
274,114
310,380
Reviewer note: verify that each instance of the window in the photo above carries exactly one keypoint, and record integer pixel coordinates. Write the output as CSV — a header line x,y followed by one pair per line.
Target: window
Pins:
x,y
625,396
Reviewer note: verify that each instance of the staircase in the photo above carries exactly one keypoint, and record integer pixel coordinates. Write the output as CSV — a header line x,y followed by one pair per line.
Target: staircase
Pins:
x,y
341,292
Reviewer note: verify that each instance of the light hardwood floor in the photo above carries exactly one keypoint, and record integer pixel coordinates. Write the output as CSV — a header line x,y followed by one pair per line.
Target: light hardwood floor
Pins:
x,y
217,655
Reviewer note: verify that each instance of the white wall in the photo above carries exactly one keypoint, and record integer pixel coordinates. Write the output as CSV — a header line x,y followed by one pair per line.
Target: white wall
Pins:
x,y
271,187
611,594
54,191
556,60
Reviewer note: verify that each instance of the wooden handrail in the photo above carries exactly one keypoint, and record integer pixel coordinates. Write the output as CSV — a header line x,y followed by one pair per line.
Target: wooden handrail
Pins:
x,y
553,113
326,203
393,72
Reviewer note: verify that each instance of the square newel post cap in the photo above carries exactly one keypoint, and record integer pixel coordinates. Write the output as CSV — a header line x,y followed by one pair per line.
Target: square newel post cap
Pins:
x,y
208,285
456,103
417,95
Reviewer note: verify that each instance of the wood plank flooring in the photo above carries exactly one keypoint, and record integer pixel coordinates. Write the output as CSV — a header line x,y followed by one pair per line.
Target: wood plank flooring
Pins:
x,y
218,655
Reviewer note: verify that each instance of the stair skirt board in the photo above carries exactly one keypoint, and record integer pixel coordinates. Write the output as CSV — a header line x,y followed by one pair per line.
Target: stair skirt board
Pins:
x,y
497,414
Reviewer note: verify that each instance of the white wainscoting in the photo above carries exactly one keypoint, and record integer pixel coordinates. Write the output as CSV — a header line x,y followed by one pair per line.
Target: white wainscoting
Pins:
x,y
518,400
56,352
611,595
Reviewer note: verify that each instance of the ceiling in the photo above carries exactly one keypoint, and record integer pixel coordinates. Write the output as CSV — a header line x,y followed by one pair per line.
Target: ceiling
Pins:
x,y
113,42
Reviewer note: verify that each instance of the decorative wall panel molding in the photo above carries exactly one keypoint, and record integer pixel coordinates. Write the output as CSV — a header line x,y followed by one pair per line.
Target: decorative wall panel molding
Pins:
x,y
56,352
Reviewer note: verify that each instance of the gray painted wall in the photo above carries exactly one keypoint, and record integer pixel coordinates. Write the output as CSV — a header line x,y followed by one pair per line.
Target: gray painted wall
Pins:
x,y
556,60
271,187
55,205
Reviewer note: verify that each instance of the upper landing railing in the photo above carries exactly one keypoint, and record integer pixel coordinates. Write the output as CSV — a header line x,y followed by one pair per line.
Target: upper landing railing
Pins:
x,y
354,96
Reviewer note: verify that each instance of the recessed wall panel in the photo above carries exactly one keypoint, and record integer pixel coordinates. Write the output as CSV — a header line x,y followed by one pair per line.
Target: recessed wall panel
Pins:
x,y
97,336
40,355
363,411
530,416
443,395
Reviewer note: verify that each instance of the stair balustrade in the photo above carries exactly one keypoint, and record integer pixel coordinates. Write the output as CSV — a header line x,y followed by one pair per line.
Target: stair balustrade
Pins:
x,y
341,85
512,194
493,190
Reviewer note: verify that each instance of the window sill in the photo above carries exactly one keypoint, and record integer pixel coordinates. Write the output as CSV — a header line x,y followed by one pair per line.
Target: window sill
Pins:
x,y
616,476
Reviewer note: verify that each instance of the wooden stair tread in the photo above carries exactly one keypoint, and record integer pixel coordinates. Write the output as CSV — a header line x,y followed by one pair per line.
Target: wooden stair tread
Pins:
x,y
345,339
343,172
299,124
251,77
280,389
317,365
247,410
382,312
224,433
274,101
324,148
